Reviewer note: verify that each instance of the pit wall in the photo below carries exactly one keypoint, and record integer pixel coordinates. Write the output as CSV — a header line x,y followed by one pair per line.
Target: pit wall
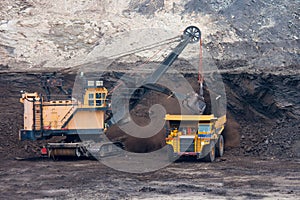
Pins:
x,y
262,111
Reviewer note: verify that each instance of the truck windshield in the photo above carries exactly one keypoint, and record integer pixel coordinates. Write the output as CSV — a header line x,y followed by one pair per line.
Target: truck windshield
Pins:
x,y
204,128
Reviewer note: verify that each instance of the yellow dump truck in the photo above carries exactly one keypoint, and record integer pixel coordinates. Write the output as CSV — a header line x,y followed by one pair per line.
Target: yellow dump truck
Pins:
x,y
195,135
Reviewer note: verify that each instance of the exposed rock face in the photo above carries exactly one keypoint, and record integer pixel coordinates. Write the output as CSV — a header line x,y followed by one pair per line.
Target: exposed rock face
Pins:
x,y
36,34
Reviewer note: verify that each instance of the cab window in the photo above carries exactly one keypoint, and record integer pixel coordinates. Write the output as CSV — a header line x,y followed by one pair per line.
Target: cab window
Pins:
x,y
91,99
204,128
99,99
98,95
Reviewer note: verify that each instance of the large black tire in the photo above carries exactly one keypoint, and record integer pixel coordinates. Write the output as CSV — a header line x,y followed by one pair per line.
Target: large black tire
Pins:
x,y
171,156
210,157
101,152
220,146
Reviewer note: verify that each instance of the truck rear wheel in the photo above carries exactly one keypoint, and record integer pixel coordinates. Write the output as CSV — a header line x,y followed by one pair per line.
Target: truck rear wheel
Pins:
x,y
220,146
210,157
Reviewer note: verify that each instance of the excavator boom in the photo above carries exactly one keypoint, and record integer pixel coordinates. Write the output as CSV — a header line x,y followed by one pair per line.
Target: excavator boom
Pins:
x,y
191,34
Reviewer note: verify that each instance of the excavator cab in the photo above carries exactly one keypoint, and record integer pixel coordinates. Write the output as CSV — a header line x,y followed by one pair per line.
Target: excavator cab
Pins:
x,y
95,94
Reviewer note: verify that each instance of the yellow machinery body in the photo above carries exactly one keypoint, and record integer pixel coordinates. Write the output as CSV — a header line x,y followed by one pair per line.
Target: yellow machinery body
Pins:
x,y
44,119
193,135
82,123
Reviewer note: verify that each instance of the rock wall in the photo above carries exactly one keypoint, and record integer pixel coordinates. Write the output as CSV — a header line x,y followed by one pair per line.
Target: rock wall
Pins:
x,y
37,34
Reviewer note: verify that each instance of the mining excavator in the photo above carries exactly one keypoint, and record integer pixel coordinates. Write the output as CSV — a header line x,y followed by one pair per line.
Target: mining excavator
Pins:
x,y
84,122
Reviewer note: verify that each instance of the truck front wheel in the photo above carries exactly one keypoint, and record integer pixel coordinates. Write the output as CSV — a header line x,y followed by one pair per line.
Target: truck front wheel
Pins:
x,y
220,146
210,157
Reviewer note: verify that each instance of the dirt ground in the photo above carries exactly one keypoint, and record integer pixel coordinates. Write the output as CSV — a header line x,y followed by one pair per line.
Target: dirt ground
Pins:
x,y
232,177
261,159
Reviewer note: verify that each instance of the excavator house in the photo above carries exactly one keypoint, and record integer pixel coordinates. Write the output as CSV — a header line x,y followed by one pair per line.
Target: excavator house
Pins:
x,y
69,118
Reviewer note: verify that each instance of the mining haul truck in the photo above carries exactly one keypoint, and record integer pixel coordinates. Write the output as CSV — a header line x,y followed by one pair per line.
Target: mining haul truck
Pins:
x,y
199,136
